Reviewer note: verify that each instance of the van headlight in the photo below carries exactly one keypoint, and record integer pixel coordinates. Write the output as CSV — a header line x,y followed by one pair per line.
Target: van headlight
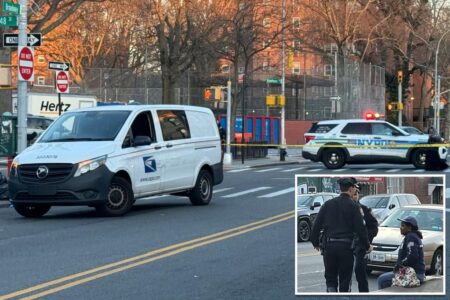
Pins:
x,y
90,165
14,167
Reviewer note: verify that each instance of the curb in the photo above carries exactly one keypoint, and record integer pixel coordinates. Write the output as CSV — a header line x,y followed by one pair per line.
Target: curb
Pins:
x,y
4,204
261,165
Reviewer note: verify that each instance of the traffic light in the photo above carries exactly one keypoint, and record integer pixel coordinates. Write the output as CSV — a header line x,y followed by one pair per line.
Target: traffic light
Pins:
x,y
208,94
395,106
400,76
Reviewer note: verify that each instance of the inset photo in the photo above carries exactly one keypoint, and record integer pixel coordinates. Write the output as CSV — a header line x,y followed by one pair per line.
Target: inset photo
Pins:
x,y
377,234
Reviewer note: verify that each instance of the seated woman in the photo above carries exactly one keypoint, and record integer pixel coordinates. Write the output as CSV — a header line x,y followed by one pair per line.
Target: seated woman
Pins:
x,y
410,253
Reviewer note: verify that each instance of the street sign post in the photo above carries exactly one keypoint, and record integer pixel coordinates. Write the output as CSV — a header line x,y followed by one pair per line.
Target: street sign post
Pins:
x,y
26,68
10,21
58,66
12,39
10,7
273,80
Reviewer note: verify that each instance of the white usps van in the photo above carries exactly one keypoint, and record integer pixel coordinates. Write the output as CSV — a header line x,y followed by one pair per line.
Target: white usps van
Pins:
x,y
109,156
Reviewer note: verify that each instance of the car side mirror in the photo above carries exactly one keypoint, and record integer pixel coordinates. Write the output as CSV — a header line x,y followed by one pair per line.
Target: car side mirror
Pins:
x,y
391,206
142,140
315,204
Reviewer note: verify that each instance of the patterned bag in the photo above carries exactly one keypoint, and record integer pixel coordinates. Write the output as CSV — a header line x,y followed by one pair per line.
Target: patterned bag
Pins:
x,y
405,277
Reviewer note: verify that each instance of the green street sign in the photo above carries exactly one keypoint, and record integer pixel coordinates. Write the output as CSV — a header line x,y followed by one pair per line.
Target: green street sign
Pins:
x,y
11,8
8,21
273,80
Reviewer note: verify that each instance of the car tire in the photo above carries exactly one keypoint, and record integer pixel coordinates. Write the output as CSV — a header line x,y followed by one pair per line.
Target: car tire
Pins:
x,y
437,264
119,198
32,211
333,158
202,192
418,158
303,231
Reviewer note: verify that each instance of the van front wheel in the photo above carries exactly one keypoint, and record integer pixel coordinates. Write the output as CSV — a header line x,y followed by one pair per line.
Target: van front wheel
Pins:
x,y
119,199
201,194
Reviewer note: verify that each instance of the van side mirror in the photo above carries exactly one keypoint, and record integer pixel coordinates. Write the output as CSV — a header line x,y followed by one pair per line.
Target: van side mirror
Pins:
x,y
142,140
391,206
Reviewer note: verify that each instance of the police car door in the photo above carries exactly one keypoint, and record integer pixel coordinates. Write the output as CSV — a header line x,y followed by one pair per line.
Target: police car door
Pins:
x,y
355,135
386,138
145,161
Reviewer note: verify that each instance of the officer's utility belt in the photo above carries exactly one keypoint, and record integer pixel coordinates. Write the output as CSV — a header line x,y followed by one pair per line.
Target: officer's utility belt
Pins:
x,y
344,240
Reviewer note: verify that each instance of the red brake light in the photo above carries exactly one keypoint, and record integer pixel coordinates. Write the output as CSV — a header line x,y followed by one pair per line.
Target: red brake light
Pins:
x,y
309,138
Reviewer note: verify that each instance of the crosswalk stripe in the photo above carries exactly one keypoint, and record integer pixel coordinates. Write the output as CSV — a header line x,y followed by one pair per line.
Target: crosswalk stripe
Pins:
x,y
295,169
339,170
247,192
239,170
267,170
222,190
366,170
393,170
282,192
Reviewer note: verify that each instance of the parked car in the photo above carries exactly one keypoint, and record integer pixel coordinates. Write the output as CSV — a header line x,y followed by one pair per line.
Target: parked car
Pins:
x,y
35,126
383,205
387,243
308,206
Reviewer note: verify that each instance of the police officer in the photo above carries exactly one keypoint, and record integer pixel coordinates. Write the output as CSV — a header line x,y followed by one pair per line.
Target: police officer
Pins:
x,y
360,252
340,218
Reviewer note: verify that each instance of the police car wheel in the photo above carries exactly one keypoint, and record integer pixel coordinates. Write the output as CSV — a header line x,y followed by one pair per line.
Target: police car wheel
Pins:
x,y
303,231
419,158
32,211
119,200
333,158
201,194
438,263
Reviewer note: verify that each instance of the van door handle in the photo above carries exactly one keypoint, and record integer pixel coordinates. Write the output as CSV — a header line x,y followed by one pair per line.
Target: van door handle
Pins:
x,y
169,145
157,147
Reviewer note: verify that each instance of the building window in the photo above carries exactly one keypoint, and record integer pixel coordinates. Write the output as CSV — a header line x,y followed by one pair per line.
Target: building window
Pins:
x,y
328,70
266,22
266,66
40,80
41,59
241,70
297,44
330,48
296,23
296,68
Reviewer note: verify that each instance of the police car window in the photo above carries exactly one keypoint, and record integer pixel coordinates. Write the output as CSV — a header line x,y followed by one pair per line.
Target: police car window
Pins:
x,y
382,129
321,128
174,124
357,128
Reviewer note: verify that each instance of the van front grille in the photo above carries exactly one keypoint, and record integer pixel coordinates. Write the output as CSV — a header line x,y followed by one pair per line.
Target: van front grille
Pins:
x,y
51,173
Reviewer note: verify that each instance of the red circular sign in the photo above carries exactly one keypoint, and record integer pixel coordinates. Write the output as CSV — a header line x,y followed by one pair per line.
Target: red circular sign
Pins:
x,y
26,63
62,81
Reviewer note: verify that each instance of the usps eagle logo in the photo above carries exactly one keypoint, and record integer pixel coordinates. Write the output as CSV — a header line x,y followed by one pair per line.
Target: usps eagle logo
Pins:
x,y
149,164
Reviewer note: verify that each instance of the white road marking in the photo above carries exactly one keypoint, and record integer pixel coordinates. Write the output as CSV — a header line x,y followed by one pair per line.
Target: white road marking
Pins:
x,y
267,170
419,171
315,170
366,170
238,170
447,170
339,170
222,190
296,169
247,192
393,171
282,192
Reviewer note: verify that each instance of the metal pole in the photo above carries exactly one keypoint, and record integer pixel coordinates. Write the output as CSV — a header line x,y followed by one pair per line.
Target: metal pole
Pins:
x,y
243,117
399,101
227,156
438,108
22,105
337,103
145,75
283,79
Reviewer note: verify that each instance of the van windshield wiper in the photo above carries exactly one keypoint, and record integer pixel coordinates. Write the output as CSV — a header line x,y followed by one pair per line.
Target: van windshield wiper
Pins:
x,y
77,139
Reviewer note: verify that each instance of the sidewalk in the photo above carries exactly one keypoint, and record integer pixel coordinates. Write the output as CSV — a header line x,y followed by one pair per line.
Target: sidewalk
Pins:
x,y
273,159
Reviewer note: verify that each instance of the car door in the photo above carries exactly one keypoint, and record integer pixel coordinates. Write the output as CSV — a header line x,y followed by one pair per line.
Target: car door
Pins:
x,y
178,149
145,161
386,137
356,134
315,211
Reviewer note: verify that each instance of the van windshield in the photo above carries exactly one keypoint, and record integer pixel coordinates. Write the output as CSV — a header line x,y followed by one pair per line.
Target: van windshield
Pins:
x,y
86,126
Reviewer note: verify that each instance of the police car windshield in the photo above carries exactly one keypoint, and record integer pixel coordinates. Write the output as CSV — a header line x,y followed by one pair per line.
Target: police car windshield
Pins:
x,y
375,202
86,126
304,200
426,219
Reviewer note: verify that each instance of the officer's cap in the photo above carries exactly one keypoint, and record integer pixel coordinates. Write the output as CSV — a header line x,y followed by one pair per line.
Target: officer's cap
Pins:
x,y
410,220
348,181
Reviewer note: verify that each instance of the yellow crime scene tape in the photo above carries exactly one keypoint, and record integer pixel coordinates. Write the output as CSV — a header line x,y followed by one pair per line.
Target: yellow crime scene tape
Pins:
x,y
346,145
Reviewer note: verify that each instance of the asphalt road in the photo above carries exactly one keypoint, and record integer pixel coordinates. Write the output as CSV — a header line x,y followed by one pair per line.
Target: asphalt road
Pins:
x,y
254,262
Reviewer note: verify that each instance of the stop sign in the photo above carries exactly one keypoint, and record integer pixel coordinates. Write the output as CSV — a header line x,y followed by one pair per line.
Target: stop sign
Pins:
x,y
26,72
62,81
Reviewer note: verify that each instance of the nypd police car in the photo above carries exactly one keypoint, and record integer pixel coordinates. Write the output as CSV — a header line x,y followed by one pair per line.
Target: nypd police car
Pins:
x,y
337,142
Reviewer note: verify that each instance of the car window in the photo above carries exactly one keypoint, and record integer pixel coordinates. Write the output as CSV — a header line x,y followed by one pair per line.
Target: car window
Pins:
x,y
395,201
321,128
327,197
143,126
357,128
304,200
402,199
318,199
174,124
384,129
412,199
375,202
426,219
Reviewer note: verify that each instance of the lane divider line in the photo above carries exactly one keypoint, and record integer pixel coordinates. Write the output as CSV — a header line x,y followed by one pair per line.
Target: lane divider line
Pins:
x,y
163,252
247,192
